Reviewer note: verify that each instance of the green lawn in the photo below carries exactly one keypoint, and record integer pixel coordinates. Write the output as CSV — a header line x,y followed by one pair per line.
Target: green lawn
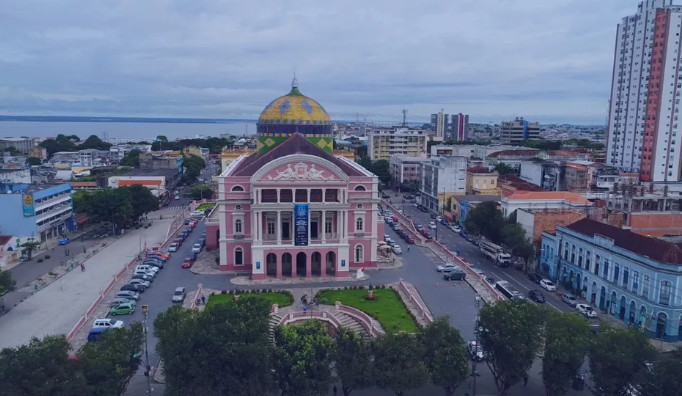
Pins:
x,y
205,206
281,298
386,307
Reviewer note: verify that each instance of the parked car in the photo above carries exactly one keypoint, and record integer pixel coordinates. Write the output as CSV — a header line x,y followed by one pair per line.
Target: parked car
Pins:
x,y
433,215
453,274
535,277
64,241
179,295
444,222
133,287
105,322
188,263
96,333
143,277
202,241
119,300
419,227
475,351
536,295
140,282
397,249
179,241
122,309
196,247
442,267
390,241
145,273
455,228
547,285
173,247
129,294
409,239
570,299
587,310
395,226
432,225
146,268
197,213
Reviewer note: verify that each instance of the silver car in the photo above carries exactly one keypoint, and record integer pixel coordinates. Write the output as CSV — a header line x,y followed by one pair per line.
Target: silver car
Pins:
x,y
179,295
119,300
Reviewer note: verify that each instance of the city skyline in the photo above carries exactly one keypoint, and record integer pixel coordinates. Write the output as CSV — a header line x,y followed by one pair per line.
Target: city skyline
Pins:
x,y
158,59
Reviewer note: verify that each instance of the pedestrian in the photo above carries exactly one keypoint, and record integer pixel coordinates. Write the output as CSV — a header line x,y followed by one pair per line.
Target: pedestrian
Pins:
x,y
82,267
525,380
408,248
203,300
334,390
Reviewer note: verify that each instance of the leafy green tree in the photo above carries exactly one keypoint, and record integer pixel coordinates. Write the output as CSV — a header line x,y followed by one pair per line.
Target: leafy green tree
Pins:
x,y
567,339
485,219
201,192
74,138
7,283
617,357
193,166
511,337
34,161
132,159
29,246
209,352
504,169
445,354
353,361
109,363
81,199
664,378
40,368
60,143
302,359
142,200
93,142
398,363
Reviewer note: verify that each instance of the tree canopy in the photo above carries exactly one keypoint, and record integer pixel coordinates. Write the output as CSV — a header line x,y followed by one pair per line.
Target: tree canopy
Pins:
x,y
34,161
60,143
94,142
445,354
503,169
201,191
567,339
354,363
7,283
510,334
117,205
132,159
193,166
664,378
398,363
485,219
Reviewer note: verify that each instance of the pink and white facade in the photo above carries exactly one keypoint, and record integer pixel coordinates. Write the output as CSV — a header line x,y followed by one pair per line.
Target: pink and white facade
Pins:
x,y
260,233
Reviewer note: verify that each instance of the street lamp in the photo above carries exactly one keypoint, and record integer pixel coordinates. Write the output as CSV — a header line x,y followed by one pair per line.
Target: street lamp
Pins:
x,y
478,330
147,368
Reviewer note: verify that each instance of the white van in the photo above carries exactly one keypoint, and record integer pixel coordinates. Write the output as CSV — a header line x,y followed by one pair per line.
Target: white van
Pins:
x,y
146,268
111,323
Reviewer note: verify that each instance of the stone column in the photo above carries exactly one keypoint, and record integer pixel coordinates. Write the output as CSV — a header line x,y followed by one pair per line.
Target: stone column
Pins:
x,y
324,226
278,227
309,265
278,257
310,218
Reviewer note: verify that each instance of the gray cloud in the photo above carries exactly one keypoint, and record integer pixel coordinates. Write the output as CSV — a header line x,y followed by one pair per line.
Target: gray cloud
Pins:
x,y
493,59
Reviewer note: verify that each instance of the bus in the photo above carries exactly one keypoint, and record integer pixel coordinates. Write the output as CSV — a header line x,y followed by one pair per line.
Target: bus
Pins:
x,y
508,291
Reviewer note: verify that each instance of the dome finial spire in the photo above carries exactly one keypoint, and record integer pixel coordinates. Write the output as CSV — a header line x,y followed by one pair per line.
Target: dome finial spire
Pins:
x,y
294,82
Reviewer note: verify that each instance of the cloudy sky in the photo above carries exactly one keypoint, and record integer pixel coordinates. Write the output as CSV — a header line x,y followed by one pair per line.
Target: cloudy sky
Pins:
x,y
547,60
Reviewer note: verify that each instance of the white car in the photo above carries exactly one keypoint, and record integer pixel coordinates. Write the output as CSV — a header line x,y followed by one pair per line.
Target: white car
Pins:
x,y
110,323
197,213
587,310
140,282
179,295
432,225
196,247
547,285
442,267
397,249
173,247
455,228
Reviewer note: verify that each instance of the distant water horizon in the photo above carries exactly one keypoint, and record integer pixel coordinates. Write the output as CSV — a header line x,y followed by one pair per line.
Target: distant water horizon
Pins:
x,y
133,128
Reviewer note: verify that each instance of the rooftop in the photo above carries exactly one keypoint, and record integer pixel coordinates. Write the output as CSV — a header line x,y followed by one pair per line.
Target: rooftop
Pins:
x,y
655,249
479,169
477,198
168,173
296,144
548,196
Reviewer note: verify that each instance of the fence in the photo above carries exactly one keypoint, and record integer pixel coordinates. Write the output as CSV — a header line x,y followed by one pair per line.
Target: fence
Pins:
x,y
416,300
365,321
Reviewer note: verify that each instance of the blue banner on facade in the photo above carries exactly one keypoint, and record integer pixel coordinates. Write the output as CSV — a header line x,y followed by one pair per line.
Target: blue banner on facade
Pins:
x,y
27,201
301,224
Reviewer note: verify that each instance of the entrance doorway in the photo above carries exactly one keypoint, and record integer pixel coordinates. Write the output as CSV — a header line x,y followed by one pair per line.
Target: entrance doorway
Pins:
x,y
331,264
660,325
271,264
300,264
286,265
316,263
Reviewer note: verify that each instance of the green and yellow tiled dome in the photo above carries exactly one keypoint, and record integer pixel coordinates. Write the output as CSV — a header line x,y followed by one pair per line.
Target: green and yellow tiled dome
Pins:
x,y
294,113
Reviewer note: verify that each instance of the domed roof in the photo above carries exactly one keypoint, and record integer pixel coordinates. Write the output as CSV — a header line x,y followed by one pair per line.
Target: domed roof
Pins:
x,y
294,108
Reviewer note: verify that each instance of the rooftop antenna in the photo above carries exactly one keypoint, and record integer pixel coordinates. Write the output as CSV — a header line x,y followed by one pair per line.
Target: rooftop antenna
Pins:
x,y
404,117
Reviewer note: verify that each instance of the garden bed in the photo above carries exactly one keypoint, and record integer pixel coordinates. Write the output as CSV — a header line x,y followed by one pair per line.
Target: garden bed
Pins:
x,y
206,206
283,298
386,307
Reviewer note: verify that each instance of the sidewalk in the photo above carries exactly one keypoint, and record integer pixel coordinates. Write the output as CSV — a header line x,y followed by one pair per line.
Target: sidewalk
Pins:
x,y
60,305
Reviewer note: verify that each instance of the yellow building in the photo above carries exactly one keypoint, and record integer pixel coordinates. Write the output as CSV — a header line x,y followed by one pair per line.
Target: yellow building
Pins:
x,y
481,181
229,155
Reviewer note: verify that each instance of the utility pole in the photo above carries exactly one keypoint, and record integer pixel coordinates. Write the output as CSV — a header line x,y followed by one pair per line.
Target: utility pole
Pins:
x,y
478,330
147,368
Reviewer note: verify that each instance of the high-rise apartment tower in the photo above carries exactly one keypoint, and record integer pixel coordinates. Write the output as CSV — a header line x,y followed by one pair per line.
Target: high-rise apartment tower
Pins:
x,y
644,121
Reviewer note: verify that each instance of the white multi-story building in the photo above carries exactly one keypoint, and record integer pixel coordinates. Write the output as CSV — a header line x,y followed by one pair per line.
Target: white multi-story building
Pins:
x,y
442,178
644,130
399,141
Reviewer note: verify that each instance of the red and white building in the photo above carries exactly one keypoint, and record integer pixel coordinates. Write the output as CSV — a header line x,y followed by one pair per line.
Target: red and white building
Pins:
x,y
644,128
294,209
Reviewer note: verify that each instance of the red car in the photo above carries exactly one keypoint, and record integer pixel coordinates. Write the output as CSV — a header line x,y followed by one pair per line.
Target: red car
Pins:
x,y
192,224
409,239
178,241
187,263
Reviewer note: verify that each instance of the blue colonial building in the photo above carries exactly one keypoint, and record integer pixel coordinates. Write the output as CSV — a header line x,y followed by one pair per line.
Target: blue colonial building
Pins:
x,y
632,277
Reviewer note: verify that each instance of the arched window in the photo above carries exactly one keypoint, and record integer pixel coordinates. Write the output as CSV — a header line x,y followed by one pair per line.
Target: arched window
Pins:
x,y
358,224
664,295
237,207
359,206
238,226
359,256
237,189
360,188
238,256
